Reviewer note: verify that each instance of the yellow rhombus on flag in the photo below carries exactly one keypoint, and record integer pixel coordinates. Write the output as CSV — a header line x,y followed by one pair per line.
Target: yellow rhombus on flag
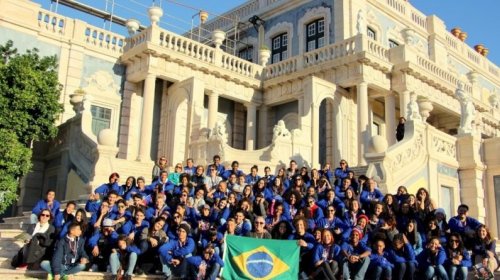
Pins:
x,y
263,259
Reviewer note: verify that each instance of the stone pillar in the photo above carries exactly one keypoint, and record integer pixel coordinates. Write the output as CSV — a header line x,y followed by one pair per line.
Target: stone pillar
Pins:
x,y
363,125
148,97
251,119
315,136
263,124
471,171
390,118
213,108
404,99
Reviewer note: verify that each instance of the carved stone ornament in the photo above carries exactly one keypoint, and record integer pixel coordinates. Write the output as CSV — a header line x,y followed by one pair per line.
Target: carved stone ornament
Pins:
x,y
361,23
102,82
280,131
468,111
413,110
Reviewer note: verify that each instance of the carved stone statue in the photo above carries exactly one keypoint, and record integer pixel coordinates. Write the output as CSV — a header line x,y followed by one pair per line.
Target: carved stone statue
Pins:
x,y
280,131
413,110
361,24
468,111
220,132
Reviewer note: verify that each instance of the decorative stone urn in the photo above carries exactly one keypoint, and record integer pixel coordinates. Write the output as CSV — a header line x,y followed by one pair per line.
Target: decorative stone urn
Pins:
x,y
462,36
107,137
155,13
425,107
485,52
472,76
456,31
218,37
378,144
479,48
408,36
132,26
264,55
494,100
76,99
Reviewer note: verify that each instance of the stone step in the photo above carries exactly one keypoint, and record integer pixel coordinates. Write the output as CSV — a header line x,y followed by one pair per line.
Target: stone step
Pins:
x,y
359,170
6,273
10,233
4,226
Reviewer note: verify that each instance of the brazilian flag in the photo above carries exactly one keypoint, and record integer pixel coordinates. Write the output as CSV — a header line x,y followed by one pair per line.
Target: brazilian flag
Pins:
x,y
252,258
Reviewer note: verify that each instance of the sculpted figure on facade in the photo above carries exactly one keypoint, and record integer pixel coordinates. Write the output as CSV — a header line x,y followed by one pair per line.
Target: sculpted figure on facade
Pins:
x,y
413,110
361,24
468,111
280,131
219,132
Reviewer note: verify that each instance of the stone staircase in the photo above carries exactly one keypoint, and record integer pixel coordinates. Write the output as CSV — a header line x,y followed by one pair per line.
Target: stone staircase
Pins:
x,y
359,170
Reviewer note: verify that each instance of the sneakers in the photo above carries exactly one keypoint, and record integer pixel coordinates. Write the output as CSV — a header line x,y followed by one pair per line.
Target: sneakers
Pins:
x,y
94,268
50,276
127,277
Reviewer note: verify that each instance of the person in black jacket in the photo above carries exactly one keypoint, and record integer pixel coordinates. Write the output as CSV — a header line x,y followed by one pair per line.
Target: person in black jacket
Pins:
x,y
400,130
69,256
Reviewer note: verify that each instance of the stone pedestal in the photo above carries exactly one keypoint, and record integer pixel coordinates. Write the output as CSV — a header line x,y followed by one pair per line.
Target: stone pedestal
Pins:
x,y
471,171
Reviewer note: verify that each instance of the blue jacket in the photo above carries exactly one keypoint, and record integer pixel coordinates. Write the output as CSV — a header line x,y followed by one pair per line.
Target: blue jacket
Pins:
x,y
366,196
358,250
130,226
307,237
457,226
104,189
59,219
424,259
337,203
174,249
341,175
382,261
94,239
64,256
466,258
42,204
404,255
319,253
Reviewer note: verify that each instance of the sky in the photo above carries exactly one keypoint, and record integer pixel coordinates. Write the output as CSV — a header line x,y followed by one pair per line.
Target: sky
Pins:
x,y
481,20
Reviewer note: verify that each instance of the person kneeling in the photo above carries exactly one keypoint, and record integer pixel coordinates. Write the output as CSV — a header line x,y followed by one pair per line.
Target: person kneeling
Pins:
x,y
124,256
69,256
207,266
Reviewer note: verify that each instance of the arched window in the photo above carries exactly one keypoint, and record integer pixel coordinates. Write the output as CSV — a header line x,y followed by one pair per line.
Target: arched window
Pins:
x,y
371,33
315,37
279,49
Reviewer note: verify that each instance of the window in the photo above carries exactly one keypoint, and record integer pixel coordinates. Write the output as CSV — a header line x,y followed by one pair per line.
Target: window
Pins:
x,y
315,38
246,53
446,201
375,129
371,33
101,118
393,44
280,48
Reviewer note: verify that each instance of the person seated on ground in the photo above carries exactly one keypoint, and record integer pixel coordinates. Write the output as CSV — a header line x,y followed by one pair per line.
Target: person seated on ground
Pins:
x,y
253,177
159,207
48,203
112,185
198,178
370,196
259,230
341,172
100,244
161,185
160,166
356,256
207,266
151,240
380,267
134,227
234,170
305,240
402,256
458,258
281,231
130,185
139,189
63,217
326,256
122,215
69,256
40,240
103,213
414,237
431,261
174,253
174,177
466,226
81,219
123,256
485,249
190,168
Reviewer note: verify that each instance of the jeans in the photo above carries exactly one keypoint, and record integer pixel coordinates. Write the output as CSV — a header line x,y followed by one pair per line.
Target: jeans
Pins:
x,y
382,273
438,271
178,271
462,272
358,270
65,269
211,274
402,269
114,261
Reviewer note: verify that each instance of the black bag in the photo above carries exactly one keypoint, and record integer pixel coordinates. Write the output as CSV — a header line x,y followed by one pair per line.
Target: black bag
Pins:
x,y
17,260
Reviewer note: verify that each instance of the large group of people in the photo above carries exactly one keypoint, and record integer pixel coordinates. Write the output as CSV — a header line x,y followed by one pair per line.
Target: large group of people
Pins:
x,y
345,226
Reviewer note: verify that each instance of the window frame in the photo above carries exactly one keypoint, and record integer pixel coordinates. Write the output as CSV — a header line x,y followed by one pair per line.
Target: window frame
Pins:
x,y
317,36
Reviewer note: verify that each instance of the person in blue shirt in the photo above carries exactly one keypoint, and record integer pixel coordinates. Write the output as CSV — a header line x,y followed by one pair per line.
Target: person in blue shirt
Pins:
x,y
130,184
379,263
458,258
174,253
65,216
356,256
48,203
112,185
207,266
140,188
326,256
341,172
134,227
431,261
465,226
163,184
253,177
220,169
190,168
124,256
371,195
335,224
332,200
100,245
402,256
234,170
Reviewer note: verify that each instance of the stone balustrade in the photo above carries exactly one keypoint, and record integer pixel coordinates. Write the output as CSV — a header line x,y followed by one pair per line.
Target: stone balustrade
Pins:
x,y
100,38
51,22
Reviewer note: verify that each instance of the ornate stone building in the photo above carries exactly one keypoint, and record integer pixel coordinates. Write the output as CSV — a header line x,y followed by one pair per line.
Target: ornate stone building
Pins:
x,y
315,81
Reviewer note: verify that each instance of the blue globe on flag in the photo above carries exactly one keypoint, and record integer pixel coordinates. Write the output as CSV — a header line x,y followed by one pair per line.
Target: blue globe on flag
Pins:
x,y
259,264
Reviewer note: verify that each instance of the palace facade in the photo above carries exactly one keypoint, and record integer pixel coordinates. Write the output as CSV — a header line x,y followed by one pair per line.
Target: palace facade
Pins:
x,y
312,80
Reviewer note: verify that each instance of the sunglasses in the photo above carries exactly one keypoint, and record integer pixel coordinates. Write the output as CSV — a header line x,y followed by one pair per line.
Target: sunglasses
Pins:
x,y
259,223
454,240
45,215
122,206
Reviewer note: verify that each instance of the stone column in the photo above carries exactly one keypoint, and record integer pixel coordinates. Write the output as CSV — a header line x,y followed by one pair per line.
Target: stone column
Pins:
x,y
213,107
390,118
263,124
251,119
404,99
147,118
471,173
315,136
363,125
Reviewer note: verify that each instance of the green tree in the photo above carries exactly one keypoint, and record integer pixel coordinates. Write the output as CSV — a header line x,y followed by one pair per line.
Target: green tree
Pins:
x,y
29,107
